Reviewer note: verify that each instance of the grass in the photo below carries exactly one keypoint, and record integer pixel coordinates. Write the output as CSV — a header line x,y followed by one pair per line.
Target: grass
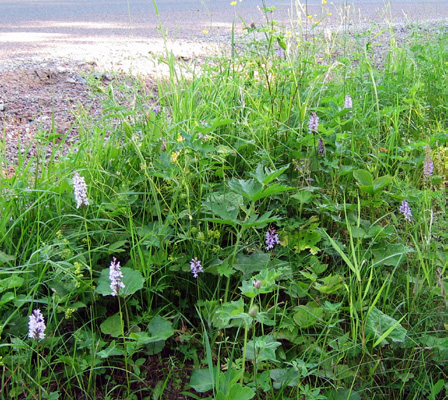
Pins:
x,y
348,302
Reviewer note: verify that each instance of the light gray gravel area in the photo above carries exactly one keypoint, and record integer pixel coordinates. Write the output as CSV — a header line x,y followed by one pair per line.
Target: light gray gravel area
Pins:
x,y
49,48
125,35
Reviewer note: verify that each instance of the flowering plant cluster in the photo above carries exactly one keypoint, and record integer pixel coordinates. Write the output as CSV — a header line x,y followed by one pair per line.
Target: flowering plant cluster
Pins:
x,y
36,325
313,123
116,277
405,209
80,189
196,267
271,238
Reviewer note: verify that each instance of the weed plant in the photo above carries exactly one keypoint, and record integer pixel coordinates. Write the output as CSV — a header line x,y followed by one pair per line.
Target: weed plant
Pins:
x,y
269,225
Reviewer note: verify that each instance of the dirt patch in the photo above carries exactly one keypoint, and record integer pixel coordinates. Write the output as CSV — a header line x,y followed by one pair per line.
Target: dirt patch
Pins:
x,y
40,106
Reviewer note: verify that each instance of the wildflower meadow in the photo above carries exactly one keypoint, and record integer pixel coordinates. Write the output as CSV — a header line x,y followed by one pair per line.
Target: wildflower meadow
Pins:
x,y
268,224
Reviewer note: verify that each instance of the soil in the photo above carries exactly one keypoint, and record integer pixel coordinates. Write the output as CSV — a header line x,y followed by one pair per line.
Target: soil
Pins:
x,y
41,96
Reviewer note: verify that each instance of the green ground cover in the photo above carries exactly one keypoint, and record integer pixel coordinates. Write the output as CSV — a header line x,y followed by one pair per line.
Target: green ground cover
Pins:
x,y
269,225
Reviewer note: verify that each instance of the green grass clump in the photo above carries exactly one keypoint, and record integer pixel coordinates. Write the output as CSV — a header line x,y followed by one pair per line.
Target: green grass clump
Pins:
x,y
312,281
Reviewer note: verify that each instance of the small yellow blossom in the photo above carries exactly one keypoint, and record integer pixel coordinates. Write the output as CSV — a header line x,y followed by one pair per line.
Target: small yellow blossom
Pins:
x,y
233,3
180,138
329,14
174,156
324,1
205,31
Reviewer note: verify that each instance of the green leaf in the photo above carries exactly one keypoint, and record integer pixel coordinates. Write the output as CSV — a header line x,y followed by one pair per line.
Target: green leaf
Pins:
x,y
262,348
4,258
6,298
215,124
117,246
380,326
160,328
330,284
304,196
284,377
390,254
112,326
267,278
247,188
271,190
260,222
231,314
14,281
112,350
381,182
308,315
236,392
203,380
249,264
365,180
227,213
343,394
260,176
133,281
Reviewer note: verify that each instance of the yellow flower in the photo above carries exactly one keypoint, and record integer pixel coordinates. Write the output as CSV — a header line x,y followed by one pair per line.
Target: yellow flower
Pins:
x,y
233,3
205,31
180,138
324,1
174,156
329,14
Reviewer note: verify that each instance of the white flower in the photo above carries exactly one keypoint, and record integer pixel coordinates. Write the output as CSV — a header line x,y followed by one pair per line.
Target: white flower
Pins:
x,y
116,277
313,123
196,267
80,189
348,102
36,325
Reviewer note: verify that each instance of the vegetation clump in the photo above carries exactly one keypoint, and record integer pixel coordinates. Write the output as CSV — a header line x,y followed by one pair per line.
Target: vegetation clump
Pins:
x,y
272,225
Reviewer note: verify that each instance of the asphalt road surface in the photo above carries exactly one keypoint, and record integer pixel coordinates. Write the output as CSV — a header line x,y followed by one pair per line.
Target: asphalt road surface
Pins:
x,y
32,27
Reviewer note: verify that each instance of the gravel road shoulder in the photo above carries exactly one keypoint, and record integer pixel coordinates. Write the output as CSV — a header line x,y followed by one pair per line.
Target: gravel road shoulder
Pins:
x,y
43,93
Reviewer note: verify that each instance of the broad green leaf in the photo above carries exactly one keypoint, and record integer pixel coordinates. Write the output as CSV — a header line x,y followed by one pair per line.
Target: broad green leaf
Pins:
x,y
380,326
271,190
225,380
215,124
112,350
236,392
304,196
227,213
262,349
112,326
264,179
231,314
329,284
267,279
390,254
160,328
260,221
381,182
365,180
249,264
203,380
247,188
4,258
308,315
132,279
343,394
438,345
14,281
284,377
6,298
117,246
